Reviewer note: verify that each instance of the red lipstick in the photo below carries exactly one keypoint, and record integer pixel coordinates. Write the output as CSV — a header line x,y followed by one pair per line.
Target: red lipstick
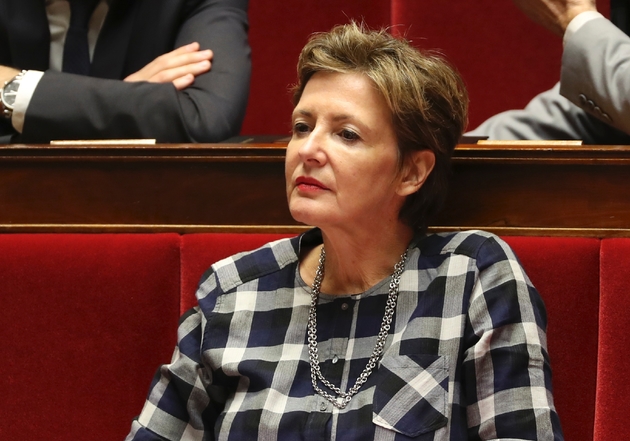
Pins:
x,y
304,183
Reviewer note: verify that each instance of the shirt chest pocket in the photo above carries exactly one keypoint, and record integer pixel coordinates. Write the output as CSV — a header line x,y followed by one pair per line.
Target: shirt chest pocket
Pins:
x,y
411,394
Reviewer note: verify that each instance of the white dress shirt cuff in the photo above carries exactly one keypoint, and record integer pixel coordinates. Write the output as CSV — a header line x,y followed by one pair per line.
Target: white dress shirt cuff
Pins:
x,y
23,98
579,21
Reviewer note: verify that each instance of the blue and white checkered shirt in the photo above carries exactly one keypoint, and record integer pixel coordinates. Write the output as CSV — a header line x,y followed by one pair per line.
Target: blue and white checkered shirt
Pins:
x,y
465,359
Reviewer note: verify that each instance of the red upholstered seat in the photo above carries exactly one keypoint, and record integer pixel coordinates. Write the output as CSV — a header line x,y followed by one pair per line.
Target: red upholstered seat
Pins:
x,y
613,388
86,320
84,323
564,270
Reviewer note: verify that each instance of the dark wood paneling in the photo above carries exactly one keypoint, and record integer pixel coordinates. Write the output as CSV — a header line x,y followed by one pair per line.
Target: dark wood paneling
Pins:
x,y
576,190
131,188
541,190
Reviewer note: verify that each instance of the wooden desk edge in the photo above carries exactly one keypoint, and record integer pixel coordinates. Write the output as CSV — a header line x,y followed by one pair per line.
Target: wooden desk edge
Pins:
x,y
295,229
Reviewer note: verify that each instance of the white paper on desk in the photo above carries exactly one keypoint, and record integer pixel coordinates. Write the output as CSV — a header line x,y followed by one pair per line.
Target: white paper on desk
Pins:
x,y
145,141
530,142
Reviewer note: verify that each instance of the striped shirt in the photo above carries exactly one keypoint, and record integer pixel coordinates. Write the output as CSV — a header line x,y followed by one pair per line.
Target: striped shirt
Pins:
x,y
465,358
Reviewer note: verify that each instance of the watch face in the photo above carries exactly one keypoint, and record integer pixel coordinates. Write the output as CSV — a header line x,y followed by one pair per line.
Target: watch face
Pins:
x,y
9,93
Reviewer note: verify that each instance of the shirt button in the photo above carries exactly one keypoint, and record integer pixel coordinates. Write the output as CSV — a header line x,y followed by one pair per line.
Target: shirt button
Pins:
x,y
323,406
344,306
335,359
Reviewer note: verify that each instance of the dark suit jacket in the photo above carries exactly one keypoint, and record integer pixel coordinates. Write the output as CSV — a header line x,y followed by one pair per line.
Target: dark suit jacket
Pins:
x,y
135,32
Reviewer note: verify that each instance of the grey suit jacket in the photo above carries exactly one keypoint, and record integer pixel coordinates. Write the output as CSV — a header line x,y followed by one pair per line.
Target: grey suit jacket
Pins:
x,y
592,100
66,106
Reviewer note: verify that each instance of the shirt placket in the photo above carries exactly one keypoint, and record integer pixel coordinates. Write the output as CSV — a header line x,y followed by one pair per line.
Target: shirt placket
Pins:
x,y
334,322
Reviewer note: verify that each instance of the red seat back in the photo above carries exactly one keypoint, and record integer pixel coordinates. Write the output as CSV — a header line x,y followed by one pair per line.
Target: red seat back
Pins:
x,y
85,321
613,389
565,272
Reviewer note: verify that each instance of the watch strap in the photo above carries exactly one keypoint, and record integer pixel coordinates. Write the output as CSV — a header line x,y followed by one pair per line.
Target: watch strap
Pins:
x,y
7,111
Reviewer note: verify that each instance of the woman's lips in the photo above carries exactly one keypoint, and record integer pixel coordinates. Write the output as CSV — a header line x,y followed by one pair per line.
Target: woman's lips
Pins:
x,y
304,183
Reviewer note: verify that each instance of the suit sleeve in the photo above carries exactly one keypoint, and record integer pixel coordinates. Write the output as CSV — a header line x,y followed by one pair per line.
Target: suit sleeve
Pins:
x,y
550,116
66,106
596,72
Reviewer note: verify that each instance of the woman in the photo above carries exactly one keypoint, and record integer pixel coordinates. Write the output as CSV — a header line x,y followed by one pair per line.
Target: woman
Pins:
x,y
365,327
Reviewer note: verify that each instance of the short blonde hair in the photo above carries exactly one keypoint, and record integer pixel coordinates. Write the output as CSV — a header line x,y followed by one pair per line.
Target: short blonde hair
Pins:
x,y
426,96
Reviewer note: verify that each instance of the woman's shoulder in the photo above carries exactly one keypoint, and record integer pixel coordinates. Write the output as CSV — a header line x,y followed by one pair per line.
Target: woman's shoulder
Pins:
x,y
244,267
469,243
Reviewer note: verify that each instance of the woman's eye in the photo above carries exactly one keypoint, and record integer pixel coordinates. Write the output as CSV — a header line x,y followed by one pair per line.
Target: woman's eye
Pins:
x,y
349,135
300,128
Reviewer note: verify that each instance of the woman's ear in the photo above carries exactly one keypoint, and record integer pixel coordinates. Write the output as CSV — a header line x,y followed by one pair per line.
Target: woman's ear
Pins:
x,y
415,171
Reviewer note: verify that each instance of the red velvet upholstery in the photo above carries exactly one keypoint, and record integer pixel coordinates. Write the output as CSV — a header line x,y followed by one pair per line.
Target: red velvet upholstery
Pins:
x,y
85,321
565,272
199,251
505,58
613,387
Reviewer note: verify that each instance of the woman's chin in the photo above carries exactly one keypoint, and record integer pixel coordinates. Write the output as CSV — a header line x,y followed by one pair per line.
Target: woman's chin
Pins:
x,y
306,214
302,216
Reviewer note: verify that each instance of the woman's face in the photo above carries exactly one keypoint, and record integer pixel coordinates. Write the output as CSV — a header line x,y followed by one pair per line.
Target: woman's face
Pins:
x,y
342,161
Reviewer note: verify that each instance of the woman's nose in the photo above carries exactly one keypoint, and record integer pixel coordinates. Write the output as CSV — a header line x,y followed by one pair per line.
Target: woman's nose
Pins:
x,y
312,150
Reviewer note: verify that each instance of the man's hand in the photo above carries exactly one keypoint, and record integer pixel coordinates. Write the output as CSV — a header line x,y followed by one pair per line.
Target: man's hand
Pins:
x,y
179,67
554,15
6,73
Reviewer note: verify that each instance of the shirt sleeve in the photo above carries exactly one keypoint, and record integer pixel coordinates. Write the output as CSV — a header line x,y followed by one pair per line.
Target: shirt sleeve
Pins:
x,y
178,405
25,92
507,374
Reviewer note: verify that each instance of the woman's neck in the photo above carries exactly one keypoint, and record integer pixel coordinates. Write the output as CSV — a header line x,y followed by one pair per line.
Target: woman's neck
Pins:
x,y
354,262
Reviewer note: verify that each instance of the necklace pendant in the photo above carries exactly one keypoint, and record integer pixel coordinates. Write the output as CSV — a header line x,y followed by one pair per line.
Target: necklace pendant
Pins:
x,y
340,403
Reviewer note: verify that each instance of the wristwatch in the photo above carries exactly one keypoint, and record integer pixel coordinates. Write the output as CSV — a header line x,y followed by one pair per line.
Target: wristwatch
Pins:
x,y
8,94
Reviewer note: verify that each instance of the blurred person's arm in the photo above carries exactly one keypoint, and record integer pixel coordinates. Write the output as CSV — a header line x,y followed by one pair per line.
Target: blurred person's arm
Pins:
x,y
164,100
549,116
594,89
555,15
596,72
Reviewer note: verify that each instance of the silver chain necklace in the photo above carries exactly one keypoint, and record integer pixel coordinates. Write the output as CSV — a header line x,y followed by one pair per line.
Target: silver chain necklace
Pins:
x,y
342,399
